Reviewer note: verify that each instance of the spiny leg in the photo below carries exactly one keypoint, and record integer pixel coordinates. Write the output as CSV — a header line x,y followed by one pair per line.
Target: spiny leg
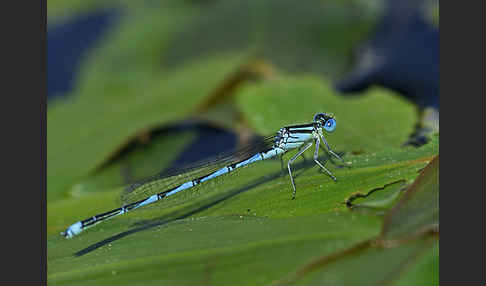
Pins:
x,y
316,155
332,152
322,148
290,162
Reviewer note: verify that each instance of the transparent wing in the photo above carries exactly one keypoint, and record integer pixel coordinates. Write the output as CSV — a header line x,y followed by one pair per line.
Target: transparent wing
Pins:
x,y
164,181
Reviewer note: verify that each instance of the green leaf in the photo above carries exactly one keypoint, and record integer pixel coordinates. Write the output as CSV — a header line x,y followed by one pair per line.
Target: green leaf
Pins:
x,y
318,208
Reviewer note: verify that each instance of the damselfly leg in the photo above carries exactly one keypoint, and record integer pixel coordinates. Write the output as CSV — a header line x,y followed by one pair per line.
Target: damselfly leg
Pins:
x,y
332,152
291,161
282,161
316,155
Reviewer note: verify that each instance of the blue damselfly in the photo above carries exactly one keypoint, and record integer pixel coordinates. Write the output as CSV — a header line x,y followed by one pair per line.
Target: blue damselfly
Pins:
x,y
148,191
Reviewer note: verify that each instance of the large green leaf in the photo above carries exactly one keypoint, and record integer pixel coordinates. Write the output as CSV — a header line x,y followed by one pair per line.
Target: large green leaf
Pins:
x,y
254,196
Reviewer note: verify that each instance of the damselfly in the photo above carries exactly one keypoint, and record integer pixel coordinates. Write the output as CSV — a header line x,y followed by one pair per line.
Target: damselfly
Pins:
x,y
147,191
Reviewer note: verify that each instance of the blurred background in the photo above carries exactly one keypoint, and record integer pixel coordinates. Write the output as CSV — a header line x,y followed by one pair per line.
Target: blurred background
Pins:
x,y
354,43
136,87
122,76
104,55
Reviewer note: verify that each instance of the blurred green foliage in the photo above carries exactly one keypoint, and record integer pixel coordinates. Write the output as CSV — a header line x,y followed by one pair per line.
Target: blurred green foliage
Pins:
x,y
251,66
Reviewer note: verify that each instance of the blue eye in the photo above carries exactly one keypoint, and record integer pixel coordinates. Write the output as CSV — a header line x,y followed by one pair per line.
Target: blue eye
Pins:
x,y
330,125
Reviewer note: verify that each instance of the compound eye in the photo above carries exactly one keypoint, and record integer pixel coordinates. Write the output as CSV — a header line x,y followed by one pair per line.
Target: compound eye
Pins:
x,y
330,125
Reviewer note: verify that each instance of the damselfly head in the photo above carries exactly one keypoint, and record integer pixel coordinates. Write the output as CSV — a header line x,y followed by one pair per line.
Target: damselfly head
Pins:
x,y
326,121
